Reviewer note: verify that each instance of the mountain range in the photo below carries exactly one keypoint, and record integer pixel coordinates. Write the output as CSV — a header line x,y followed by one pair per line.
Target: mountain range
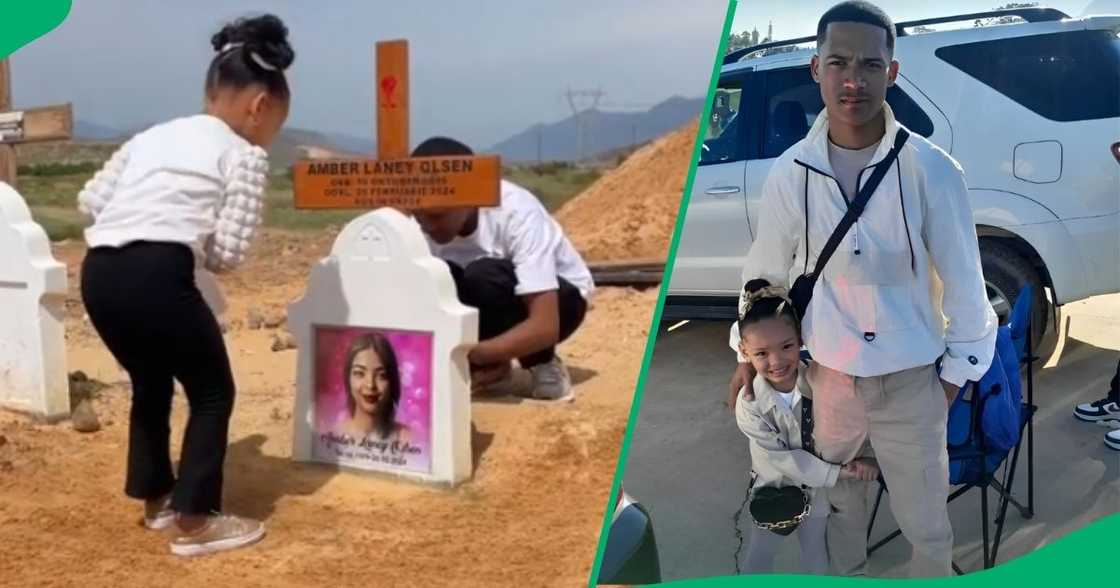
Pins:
x,y
603,131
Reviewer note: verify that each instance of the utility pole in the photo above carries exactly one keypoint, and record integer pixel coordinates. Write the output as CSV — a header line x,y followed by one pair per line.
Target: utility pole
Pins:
x,y
540,132
589,100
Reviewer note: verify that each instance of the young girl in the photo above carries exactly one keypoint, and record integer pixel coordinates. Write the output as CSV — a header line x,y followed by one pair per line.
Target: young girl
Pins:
x,y
778,422
183,195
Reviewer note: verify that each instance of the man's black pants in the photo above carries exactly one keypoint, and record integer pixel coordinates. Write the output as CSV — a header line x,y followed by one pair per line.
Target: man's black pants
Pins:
x,y
488,285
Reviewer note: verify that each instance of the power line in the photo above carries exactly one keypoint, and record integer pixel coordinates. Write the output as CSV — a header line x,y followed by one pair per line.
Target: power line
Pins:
x,y
583,102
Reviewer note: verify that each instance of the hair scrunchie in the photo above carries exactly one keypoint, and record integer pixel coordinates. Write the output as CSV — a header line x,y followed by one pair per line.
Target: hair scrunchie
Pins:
x,y
750,298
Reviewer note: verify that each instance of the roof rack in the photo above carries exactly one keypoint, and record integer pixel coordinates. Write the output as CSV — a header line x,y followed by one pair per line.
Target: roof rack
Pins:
x,y
738,54
1027,14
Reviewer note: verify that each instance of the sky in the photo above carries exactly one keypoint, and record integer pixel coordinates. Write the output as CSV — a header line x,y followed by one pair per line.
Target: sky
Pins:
x,y
799,19
481,70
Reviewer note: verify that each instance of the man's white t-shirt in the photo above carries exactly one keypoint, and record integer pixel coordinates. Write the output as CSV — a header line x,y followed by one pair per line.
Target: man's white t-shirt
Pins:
x,y
522,231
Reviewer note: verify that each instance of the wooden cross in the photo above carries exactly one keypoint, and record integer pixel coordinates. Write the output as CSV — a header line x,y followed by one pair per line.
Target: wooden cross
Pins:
x,y
393,178
48,123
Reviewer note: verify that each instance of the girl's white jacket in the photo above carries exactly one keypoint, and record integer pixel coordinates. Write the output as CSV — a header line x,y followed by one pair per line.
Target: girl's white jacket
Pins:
x,y
191,180
905,286
779,456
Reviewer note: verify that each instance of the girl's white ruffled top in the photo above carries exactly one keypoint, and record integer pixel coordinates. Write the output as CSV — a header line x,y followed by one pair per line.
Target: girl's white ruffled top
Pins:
x,y
191,180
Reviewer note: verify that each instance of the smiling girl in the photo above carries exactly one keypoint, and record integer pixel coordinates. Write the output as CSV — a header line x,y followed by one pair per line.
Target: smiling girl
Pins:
x,y
779,423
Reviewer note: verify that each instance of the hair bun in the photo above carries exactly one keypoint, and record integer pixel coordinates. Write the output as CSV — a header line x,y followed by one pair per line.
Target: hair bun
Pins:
x,y
755,285
264,35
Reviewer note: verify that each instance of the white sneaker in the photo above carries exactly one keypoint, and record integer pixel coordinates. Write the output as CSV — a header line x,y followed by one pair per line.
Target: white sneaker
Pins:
x,y
1103,412
552,382
1112,439
159,517
221,532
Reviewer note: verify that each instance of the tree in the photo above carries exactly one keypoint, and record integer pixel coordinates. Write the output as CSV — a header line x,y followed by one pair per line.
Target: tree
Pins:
x,y
740,41
746,39
985,22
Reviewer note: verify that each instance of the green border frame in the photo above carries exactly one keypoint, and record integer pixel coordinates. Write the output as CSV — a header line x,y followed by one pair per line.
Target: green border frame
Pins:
x,y
1053,564
1094,545
1085,555
651,339
28,20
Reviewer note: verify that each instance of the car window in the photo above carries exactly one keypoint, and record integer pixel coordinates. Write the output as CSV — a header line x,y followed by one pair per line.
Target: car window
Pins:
x,y
723,135
793,101
1061,76
907,112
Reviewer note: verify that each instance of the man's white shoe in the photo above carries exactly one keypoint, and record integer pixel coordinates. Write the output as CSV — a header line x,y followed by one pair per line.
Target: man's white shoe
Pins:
x,y
1112,439
1104,412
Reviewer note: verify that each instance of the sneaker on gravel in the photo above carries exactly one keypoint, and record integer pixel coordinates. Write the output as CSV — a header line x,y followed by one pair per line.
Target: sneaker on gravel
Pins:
x,y
1103,411
158,514
221,532
1112,439
552,382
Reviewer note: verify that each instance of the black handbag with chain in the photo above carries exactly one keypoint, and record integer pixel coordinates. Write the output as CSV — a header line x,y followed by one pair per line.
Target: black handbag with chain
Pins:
x,y
802,291
782,509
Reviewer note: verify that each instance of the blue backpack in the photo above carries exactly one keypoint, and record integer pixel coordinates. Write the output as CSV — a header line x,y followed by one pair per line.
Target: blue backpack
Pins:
x,y
997,399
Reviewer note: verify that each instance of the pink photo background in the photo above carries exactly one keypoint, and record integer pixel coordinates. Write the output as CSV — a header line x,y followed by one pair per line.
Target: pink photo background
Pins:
x,y
414,360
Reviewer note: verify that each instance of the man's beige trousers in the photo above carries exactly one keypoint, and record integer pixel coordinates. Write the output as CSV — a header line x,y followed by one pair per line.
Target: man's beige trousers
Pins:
x,y
900,418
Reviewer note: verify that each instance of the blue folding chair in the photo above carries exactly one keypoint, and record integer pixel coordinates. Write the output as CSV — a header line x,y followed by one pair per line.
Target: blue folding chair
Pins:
x,y
978,446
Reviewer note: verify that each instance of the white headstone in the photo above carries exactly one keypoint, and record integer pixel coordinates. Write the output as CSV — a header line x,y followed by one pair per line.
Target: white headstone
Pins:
x,y
33,376
383,381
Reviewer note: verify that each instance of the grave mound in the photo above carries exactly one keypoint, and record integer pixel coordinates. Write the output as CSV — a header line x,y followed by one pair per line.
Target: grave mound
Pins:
x,y
630,212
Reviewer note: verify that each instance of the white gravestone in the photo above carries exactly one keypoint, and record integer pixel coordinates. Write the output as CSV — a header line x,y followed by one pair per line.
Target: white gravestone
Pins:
x,y
33,377
383,382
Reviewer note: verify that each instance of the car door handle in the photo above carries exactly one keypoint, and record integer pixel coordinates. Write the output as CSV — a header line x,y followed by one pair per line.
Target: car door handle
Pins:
x,y
722,190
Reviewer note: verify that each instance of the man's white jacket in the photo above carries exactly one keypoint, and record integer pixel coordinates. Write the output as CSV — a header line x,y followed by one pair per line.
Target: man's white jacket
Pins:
x,y
905,285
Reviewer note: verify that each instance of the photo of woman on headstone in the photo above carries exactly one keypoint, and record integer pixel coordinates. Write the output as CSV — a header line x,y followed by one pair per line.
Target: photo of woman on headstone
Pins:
x,y
373,390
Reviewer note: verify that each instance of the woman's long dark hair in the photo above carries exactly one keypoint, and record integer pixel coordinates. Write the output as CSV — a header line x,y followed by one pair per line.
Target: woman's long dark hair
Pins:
x,y
387,411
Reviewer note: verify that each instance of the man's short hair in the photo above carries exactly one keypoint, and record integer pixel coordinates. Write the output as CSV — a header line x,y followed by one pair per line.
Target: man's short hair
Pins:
x,y
857,11
441,146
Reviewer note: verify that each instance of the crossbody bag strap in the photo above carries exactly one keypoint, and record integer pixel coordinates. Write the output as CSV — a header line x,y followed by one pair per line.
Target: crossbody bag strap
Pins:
x,y
860,202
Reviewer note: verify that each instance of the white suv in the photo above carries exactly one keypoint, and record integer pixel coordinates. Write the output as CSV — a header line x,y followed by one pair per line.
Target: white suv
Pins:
x,y
1030,110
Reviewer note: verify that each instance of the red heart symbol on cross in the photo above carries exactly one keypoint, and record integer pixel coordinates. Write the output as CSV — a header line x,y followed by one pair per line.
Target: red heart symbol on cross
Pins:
x,y
388,85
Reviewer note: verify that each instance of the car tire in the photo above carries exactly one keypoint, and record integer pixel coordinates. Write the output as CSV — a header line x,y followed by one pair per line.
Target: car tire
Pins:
x,y
1005,274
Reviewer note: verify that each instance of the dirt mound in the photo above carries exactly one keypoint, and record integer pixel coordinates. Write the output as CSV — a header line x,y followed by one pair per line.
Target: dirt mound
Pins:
x,y
630,212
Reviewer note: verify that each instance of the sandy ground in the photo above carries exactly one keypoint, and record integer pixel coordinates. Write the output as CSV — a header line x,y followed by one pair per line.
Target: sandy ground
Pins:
x,y
530,515
688,462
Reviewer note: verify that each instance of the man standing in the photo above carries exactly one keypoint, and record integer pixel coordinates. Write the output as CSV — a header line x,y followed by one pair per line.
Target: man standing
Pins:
x,y
886,363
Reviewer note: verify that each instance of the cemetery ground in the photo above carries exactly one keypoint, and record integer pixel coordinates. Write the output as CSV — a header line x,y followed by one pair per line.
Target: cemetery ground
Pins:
x,y
530,515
